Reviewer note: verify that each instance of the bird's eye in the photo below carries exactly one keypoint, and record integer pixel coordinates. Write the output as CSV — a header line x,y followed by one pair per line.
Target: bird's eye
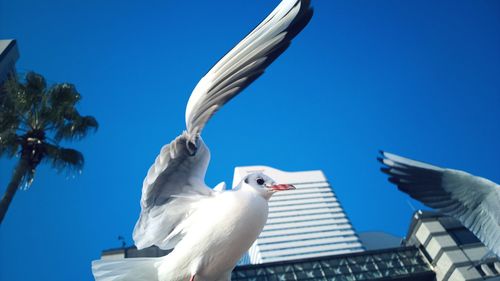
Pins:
x,y
260,181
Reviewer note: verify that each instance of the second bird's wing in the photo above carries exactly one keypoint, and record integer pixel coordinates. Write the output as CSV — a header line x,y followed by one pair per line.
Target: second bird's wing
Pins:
x,y
473,200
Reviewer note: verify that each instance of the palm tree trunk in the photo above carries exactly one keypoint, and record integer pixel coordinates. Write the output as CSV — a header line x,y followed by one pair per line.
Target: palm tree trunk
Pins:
x,y
20,170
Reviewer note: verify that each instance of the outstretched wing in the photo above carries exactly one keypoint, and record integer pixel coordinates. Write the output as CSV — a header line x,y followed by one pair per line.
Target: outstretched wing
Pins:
x,y
246,61
170,191
473,200
175,182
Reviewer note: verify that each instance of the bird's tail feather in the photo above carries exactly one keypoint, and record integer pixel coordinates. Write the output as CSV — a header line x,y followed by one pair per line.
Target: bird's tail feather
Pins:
x,y
131,269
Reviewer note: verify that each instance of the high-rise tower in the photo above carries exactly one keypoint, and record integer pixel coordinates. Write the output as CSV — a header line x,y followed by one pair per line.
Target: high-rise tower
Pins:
x,y
302,223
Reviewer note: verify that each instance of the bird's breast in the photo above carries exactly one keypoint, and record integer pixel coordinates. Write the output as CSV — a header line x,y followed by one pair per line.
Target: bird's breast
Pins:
x,y
238,217
223,229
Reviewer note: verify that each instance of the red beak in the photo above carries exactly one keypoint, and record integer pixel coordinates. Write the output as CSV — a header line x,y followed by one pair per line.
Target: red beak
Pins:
x,y
282,187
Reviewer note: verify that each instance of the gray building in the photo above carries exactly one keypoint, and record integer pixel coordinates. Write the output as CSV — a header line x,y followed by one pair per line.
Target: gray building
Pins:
x,y
9,54
454,252
132,252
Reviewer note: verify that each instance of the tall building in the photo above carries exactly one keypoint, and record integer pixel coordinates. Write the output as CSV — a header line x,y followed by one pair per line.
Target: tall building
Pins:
x,y
303,223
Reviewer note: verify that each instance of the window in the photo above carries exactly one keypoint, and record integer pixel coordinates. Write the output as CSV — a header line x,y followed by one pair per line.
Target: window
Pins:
x,y
463,236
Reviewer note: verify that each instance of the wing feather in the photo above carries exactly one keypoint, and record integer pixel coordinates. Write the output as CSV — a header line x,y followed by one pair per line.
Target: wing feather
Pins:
x,y
473,200
246,61
174,184
171,189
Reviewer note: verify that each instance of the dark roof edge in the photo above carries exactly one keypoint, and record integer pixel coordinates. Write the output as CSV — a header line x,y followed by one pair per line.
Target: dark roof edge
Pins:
x,y
117,250
356,254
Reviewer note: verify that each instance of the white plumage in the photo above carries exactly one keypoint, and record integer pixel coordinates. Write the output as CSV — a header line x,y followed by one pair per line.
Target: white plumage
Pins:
x,y
210,229
473,200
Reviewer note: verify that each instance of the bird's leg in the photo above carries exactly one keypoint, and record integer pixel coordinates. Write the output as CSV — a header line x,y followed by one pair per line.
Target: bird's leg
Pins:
x,y
192,277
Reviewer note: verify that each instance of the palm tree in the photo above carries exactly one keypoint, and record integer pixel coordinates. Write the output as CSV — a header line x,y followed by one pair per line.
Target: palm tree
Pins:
x,y
34,118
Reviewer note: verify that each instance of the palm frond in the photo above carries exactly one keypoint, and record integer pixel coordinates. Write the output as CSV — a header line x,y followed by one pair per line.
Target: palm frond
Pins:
x,y
76,127
62,98
9,120
9,143
14,99
64,158
23,98
35,87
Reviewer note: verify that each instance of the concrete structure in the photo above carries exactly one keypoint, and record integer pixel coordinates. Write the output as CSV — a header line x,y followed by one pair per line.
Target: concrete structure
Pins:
x,y
452,250
9,54
303,223
132,252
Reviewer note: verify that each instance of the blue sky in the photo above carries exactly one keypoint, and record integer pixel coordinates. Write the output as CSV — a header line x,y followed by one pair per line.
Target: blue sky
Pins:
x,y
418,78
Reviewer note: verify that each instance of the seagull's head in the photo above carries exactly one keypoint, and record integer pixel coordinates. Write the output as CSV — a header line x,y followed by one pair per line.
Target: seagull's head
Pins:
x,y
263,185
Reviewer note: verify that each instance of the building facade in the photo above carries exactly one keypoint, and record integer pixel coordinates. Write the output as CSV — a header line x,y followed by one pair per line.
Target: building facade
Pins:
x,y
303,223
9,54
453,251
132,252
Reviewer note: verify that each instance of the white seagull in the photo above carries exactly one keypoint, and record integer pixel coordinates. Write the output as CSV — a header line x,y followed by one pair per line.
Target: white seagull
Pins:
x,y
473,200
210,229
